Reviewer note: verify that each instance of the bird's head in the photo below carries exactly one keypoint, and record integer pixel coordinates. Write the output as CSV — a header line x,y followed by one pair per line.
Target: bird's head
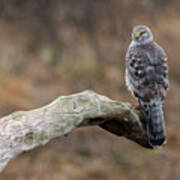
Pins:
x,y
142,34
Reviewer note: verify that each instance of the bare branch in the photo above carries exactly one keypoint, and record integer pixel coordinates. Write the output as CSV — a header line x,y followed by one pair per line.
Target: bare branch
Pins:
x,y
24,130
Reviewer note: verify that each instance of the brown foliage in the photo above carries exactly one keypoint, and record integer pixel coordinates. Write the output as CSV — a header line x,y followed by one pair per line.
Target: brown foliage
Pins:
x,y
51,48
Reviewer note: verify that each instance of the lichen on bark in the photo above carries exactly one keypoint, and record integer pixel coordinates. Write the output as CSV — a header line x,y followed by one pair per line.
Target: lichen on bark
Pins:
x,y
24,130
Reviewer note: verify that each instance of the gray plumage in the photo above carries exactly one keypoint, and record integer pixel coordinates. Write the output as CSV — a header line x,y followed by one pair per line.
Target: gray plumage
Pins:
x,y
147,79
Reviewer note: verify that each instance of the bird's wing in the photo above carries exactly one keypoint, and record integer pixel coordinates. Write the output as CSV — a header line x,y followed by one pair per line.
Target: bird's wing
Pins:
x,y
147,70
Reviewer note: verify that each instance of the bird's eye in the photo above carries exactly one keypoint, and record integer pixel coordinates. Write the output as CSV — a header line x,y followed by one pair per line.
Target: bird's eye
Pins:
x,y
137,34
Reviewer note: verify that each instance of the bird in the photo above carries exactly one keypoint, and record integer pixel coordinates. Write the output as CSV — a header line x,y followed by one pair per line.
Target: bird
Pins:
x,y
146,77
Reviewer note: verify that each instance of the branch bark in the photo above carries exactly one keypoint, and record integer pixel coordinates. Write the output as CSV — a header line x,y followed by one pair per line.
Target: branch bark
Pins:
x,y
24,130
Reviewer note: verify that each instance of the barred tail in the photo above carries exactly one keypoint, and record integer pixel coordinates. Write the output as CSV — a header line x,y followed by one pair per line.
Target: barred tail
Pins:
x,y
156,125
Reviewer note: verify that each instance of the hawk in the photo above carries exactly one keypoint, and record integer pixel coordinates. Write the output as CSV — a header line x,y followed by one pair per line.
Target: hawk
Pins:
x,y
147,79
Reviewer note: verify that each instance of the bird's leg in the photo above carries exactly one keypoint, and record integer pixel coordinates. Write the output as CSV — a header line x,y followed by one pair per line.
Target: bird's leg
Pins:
x,y
137,105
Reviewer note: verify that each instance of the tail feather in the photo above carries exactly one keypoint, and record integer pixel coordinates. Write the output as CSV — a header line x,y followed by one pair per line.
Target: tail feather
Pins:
x,y
155,124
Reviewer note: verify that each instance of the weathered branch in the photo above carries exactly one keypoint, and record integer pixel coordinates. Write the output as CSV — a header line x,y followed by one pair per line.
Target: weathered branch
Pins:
x,y
24,130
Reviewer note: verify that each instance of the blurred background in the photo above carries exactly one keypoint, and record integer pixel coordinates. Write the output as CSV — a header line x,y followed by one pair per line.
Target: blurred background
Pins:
x,y
50,48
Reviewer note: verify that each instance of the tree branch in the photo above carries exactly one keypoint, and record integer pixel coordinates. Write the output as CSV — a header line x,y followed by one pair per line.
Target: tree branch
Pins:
x,y
24,130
